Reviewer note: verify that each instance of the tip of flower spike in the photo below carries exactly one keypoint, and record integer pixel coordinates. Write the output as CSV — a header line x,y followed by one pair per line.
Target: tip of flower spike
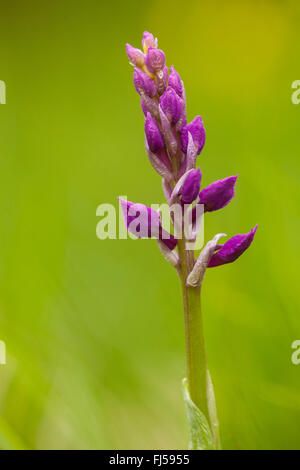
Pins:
x,y
148,41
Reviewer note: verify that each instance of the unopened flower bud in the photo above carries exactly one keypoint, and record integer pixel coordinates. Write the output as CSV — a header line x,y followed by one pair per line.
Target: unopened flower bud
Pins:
x,y
154,138
218,194
171,105
155,60
143,83
148,41
191,186
232,249
135,56
197,131
144,222
175,81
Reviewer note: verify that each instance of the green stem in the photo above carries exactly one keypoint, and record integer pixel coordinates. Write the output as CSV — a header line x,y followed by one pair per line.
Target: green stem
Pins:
x,y
194,336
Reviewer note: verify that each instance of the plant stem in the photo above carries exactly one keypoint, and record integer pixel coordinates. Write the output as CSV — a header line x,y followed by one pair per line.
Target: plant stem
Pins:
x,y
194,336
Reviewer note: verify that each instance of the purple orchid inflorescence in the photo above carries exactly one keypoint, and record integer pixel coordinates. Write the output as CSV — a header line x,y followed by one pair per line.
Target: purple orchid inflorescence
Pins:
x,y
173,145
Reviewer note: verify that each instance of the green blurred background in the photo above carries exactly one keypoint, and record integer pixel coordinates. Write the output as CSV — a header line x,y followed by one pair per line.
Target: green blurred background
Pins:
x,y
94,329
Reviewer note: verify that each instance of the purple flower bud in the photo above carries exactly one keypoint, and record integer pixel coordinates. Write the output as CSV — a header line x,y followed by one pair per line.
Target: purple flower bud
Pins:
x,y
175,81
218,194
144,222
155,60
143,82
197,131
191,186
148,41
171,105
135,56
154,138
232,249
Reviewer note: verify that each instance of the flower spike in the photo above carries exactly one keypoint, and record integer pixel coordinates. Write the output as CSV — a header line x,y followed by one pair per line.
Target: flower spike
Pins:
x,y
173,145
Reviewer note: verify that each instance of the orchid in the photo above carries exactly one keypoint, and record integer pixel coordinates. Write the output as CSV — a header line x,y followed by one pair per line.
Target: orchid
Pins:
x,y
173,145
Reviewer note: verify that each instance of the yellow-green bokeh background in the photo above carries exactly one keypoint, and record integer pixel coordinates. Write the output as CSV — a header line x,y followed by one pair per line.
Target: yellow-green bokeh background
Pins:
x,y
94,329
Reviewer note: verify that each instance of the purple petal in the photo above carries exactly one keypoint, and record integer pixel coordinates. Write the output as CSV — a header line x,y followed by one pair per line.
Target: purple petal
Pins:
x,y
153,135
148,41
155,60
143,82
175,81
135,56
232,249
218,194
171,105
144,222
197,131
191,186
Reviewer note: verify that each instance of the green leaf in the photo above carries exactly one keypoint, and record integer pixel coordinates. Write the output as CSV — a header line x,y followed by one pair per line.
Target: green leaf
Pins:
x,y
212,411
200,437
